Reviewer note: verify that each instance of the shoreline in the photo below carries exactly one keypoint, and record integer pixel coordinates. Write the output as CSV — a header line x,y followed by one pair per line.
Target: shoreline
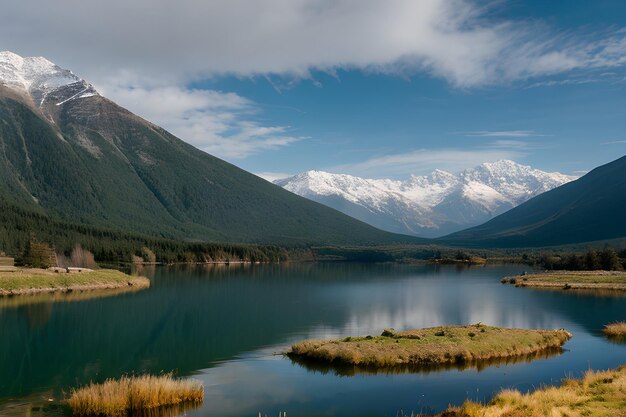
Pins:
x,y
571,280
596,393
34,282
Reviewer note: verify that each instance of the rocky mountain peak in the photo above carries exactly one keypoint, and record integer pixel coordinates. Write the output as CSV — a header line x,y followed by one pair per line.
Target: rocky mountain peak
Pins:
x,y
42,79
430,205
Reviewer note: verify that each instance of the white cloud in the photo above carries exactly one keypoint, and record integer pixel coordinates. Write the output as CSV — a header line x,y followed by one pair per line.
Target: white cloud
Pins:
x,y
219,123
504,133
614,142
165,45
457,40
272,176
423,161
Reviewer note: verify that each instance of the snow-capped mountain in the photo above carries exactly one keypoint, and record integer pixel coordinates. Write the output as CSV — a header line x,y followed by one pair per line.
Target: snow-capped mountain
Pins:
x,y
42,80
432,205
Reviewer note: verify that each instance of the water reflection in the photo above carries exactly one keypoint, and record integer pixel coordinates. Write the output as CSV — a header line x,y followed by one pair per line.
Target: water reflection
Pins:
x,y
344,369
43,405
17,301
582,292
221,324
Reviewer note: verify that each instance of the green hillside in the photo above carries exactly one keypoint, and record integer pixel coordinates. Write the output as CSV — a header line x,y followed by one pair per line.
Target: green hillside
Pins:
x,y
592,208
92,162
19,226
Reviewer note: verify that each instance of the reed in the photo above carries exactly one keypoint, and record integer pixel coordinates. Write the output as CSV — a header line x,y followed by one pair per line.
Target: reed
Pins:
x,y
134,395
617,329
596,394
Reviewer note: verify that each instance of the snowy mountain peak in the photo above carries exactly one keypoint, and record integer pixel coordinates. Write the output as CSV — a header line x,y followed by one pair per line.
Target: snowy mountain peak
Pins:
x,y
42,79
503,164
430,205
441,176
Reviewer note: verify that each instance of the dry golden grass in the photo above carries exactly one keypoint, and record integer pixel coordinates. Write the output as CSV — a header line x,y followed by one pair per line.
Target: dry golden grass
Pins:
x,y
431,346
617,329
134,395
597,394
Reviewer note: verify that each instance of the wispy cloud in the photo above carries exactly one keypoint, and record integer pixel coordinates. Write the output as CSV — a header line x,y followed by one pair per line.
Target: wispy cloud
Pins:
x,y
272,176
512,144
504,133
222,124
423,161
456,40
614,142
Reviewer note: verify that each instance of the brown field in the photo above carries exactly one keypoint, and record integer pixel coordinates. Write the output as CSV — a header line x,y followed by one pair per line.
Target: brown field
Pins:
x,y
431,346
133,395
597,394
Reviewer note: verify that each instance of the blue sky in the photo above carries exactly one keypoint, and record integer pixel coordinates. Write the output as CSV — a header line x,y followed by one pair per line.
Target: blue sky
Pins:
x,y
371,88
353,118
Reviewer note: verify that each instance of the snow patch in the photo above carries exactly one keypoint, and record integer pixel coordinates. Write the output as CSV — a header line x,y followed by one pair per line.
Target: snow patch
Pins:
x,y
425,201
39,77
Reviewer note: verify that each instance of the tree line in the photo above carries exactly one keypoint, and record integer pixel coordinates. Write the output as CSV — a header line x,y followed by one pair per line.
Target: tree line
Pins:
x,y
607,259
25,233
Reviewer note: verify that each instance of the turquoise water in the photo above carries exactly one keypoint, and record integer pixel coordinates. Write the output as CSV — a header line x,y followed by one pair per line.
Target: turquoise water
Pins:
x,y
223,325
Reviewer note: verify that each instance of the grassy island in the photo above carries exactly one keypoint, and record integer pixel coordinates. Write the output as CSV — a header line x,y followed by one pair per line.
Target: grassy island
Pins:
x,y
598,393
431,346
37,281
615,330
584,280
134,395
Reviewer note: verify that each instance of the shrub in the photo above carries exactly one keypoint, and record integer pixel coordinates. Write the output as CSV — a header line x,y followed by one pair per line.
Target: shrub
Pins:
x,y
132,394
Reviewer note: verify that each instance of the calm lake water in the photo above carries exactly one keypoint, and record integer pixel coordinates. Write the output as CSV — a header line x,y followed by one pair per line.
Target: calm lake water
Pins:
x,y
222,325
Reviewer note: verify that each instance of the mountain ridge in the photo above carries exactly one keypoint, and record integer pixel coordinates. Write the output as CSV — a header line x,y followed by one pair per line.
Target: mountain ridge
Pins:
x,y
73,154
589,209
431,205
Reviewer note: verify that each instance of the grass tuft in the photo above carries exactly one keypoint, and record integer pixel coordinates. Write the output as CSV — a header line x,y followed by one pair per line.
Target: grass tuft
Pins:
x,y
617,329
596,394
133,395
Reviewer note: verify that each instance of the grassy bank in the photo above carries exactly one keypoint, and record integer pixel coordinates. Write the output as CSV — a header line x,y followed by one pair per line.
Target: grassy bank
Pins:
x,y
134,395
584,280
37,281
431,346
615,330
601,393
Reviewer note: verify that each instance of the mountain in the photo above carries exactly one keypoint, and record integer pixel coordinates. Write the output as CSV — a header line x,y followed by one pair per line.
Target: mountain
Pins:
x,y
588,209
69,153
428,206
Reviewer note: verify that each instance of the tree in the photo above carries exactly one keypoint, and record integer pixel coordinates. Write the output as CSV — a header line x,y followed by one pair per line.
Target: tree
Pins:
x,y
39,254
462,256
574,262
592,262
609,260
147,255
82,258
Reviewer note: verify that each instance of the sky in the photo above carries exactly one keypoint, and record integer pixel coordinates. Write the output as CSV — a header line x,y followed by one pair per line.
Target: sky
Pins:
x,y
374,88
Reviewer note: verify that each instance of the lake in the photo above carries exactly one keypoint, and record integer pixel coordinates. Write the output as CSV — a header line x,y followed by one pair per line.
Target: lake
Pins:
x,y
225,325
